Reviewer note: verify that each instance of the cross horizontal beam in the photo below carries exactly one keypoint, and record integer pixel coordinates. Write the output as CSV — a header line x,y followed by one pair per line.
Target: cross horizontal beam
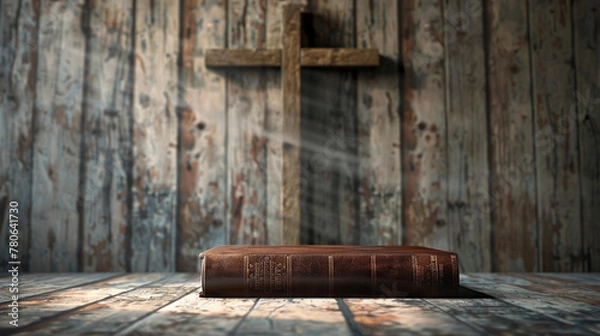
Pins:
x,y
309,57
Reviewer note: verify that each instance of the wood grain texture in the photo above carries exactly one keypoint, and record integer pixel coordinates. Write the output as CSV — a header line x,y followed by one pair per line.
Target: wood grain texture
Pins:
x,y
243,57
18,68
568,287
586,34
406,316
158,304
315,57
329,117
339,57
246,138
294,316
274,124
32,284
189,314
423,125
379,126
494,317
290,91
512,189
59,90
556,137
114,313
580,316
106,138
202,164
40,308
154,155
469,224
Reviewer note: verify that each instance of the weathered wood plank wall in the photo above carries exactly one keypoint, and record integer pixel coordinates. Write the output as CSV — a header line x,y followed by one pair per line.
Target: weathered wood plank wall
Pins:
x,y
477,133
107,99
58,189
468,215
515,242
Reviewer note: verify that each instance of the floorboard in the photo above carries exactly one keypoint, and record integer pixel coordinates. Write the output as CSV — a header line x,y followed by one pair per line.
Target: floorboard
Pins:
x,y
169,304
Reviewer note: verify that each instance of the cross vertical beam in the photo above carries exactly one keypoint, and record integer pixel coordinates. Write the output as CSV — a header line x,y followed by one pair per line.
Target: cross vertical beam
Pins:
x,y
290,79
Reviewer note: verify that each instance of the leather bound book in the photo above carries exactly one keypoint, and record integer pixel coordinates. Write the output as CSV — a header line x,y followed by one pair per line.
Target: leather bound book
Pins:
x,y
328,271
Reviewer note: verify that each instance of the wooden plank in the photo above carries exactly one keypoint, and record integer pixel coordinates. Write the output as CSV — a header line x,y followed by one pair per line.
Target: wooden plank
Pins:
x,y
585,278
35,284
494,317
18,67
310,57
106,138
339,57
567,288
290,81
189,315
329,119
274,125
508,289
246,139
586,19
380,186
202,163
424,127
294,316
114,313
404,316
45,307
243,57
556,148
512,191
469,223
55,232
154,160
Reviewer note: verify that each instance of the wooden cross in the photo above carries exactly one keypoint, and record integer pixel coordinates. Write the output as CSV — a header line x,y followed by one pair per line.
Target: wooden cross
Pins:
x,y
290,58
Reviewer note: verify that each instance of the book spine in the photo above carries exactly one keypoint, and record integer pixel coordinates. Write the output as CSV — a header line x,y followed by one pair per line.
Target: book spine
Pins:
x,y
289,275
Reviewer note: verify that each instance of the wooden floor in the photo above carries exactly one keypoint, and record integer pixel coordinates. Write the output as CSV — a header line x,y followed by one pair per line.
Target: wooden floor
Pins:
x,y
168,304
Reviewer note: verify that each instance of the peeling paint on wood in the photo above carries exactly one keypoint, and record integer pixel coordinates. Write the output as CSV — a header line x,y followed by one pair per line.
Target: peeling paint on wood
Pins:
x,y
513,200
202,165
246,139
154,153
379,152
586,19
556,149
18,68
56,158
469,223
328,129
107,115
424,126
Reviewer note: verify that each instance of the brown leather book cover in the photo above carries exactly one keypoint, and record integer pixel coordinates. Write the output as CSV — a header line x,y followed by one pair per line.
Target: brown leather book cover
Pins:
x,y
328,271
